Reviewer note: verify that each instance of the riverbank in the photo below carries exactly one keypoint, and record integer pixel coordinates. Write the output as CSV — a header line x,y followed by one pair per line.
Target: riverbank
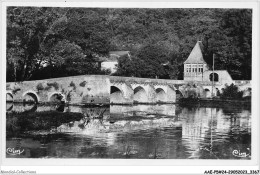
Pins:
x,y
17,122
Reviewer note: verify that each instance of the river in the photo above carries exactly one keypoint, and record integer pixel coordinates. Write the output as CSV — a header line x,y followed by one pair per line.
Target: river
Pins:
x,y
132,132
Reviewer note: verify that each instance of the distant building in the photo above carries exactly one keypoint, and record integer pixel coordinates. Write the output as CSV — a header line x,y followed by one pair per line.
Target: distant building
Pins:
x,y
110,62
196,68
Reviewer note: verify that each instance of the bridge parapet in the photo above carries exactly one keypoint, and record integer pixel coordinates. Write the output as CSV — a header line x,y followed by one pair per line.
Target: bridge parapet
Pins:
x,y
135,80
104,89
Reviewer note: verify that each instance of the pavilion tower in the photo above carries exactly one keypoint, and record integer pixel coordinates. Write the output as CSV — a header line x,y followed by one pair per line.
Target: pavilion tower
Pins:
x,y
195,65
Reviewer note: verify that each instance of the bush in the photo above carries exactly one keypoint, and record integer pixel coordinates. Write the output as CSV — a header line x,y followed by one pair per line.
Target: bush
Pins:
x,y
27,121
231,92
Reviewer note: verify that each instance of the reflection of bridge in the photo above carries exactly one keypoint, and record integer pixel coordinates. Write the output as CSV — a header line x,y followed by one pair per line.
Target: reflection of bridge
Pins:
x,y
109,111
108,89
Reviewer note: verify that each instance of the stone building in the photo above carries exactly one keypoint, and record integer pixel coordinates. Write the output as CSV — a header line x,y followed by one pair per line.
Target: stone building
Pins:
x,y
110,62
196,68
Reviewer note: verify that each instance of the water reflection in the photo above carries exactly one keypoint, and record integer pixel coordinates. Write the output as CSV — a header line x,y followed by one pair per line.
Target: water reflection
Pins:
x,y
137,110
115,110
208,130
140,131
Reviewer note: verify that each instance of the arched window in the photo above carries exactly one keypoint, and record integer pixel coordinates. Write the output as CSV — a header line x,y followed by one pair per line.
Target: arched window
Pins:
x,y
215,75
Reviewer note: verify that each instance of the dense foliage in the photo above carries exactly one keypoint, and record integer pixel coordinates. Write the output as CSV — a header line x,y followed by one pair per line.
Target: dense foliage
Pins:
x,y
54,42
18,123
231,92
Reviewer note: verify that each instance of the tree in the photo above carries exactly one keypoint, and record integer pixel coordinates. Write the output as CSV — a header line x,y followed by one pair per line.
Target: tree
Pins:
x,y
160,40
228,35
151,61
237,25
231,91
41,39
66,59
26,27
88,29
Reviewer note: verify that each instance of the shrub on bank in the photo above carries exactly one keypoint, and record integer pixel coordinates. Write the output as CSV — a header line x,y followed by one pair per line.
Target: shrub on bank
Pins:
x,y
231,92
27,121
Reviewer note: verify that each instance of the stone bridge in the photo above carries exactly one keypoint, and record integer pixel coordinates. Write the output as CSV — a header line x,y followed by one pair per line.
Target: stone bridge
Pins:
x,y
101,89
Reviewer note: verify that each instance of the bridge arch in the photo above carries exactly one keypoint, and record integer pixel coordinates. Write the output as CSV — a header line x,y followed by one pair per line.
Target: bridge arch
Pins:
x,y
116,94
140,95
56,97
114,89
9,107
31,96
249,91
9,96
217,92
160,95
179,94
207,93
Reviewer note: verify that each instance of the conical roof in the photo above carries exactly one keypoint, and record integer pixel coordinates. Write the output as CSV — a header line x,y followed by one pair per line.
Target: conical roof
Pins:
x,y
196,56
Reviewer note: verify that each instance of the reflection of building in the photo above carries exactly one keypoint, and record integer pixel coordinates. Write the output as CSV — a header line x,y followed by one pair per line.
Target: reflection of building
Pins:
x,y
211,124
196,68
195,125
